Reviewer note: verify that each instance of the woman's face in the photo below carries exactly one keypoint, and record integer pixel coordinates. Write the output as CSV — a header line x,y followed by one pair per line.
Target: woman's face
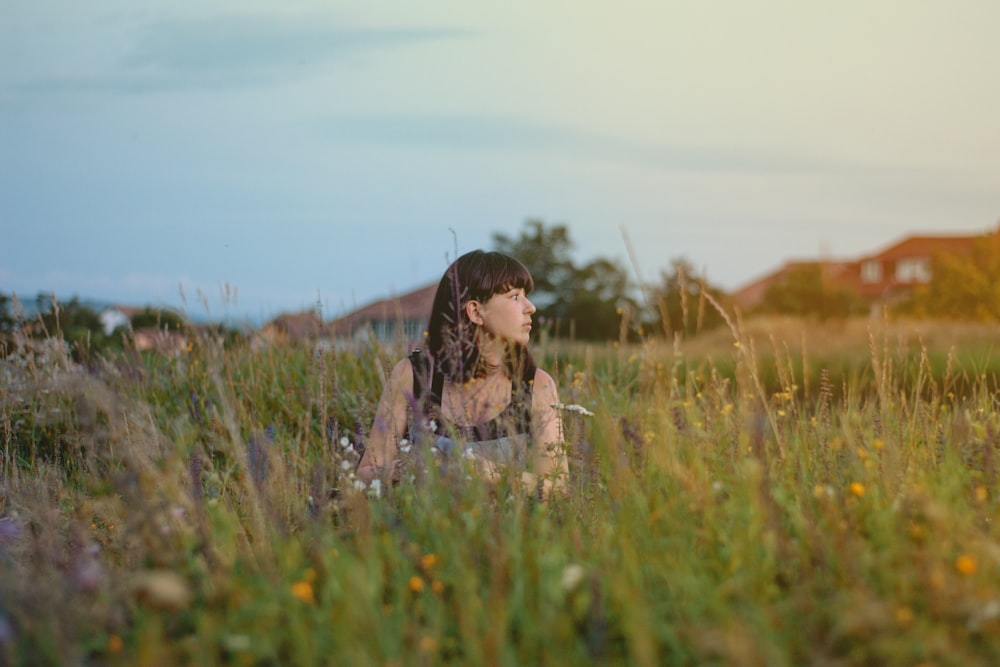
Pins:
x,y
507,315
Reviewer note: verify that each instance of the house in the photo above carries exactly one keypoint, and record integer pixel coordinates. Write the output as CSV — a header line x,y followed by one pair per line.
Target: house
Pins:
x,y
113,317
159,340
402,317
752,294
882,277
287,327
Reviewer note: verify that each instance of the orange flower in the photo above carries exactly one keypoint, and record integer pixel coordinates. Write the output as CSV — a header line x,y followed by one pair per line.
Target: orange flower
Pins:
x,y
303,590
966,564
428,561
115,644
857,489
416,584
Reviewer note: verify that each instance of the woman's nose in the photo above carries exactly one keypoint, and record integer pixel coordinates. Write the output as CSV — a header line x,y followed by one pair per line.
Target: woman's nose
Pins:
x,y
529,307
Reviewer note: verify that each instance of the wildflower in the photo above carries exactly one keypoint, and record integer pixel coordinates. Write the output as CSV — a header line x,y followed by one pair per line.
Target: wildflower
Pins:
x,y
981,494
572,575
427,561
736,344
966,564
573,407
878,444
416,584
345,465
359,485
303,590
375,488
344,442
162,589
115,644
437,587
857,489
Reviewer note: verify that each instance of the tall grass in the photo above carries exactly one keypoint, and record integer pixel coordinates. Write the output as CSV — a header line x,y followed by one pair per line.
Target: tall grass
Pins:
x,y
778,494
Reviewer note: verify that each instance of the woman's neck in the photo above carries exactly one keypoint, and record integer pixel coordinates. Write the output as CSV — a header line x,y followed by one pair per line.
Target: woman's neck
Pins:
x,y
491,353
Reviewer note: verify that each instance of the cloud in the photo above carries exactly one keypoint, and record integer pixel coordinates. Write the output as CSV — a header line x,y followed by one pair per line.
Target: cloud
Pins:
x,y
234,51
499,134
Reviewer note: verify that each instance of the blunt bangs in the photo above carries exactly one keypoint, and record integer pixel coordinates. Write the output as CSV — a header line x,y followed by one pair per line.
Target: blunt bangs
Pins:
x,y
500,273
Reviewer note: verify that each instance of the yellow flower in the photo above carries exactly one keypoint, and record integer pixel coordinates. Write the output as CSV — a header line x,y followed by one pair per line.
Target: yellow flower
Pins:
x,y
966,564
857,489
878,444
303,590
981,494
427,561
416,584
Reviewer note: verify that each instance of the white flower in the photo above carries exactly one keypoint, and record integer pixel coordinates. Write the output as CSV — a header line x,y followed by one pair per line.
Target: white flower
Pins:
x,y
344,442
405,448
345,465
469,454
573,407
375,488
360,485
572,575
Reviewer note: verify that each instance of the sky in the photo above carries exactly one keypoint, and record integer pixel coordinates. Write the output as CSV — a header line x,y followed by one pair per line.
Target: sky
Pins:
x,y
240,159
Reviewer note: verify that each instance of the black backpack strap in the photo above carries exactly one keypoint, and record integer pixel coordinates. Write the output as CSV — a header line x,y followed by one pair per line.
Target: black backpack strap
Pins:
x,y
424,375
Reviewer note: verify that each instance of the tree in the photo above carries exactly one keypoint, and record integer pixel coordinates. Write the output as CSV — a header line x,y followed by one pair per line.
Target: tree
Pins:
x,y
7,320
679,303
803,291
599,298
149,318
962,287
74,322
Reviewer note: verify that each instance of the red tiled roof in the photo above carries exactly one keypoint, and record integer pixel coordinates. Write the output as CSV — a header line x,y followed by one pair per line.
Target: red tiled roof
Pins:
x,y
415,305
925,246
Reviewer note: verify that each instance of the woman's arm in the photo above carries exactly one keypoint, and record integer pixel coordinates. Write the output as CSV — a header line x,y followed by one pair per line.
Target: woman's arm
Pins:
x,y
381,450
549,459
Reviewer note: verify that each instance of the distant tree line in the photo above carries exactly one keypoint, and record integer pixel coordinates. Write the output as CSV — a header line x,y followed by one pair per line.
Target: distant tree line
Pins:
x,y
600,300
78,325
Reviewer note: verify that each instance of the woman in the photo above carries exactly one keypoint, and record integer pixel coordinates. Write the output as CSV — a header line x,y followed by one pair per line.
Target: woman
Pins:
x,y
476,384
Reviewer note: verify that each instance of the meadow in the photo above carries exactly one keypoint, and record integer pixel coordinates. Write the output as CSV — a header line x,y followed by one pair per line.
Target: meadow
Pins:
x,y
776,493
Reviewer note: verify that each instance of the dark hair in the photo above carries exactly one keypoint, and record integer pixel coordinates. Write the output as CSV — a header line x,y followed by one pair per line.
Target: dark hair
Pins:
x,y
451,340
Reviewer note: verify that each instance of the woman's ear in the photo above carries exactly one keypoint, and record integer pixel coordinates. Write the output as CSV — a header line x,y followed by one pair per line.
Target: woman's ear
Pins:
x,y
472,310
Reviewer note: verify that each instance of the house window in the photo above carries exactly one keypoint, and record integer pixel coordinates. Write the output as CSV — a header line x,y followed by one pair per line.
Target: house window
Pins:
x,y
871,271
913,270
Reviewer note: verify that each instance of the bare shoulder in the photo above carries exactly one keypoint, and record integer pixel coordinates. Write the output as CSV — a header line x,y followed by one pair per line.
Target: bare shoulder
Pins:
x,y
545,392
402,375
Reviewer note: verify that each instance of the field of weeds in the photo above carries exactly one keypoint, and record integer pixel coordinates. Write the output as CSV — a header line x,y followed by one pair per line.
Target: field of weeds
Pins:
x,y
776,494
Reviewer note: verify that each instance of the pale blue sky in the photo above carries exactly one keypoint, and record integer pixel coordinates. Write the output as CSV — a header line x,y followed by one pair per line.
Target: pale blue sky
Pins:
x,y
304,150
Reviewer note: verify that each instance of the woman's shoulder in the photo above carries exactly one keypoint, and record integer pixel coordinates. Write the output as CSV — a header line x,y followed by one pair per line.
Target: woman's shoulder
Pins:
x,y
402,373
544,386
